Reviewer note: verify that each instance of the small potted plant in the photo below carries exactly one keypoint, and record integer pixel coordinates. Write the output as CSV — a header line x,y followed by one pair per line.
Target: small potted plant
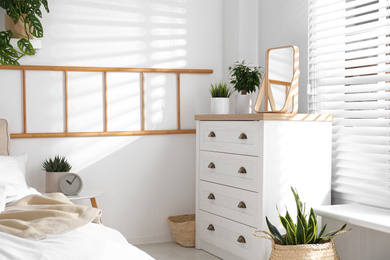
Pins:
x,y
245,79
220,93
55,169
21,21
302,240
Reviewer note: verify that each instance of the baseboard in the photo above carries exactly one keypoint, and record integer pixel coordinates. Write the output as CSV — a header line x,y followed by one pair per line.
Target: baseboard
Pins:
x,y
149,239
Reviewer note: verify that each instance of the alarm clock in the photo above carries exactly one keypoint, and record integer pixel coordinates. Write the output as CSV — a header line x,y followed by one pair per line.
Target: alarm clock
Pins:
x,y
71,184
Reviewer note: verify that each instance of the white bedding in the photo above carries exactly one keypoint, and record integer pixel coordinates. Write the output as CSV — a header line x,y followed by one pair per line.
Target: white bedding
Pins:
x,y
92,241
10,192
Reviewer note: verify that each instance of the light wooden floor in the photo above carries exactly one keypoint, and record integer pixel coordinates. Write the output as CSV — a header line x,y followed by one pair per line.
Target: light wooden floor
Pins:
x,y
173,251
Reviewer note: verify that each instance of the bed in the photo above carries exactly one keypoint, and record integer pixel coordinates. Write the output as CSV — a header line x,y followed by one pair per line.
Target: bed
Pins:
x,y
87,241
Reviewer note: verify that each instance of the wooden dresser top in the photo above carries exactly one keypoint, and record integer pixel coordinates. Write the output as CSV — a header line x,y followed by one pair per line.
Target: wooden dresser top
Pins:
x,y
266,116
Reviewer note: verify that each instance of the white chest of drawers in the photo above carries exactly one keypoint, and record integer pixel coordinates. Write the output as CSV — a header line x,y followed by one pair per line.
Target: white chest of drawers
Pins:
x,y
245,166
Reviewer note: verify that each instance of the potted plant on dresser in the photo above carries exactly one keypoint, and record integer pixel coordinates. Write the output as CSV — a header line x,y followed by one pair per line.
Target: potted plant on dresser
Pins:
x,y
220,93
55,169
303,240
21,21
245,79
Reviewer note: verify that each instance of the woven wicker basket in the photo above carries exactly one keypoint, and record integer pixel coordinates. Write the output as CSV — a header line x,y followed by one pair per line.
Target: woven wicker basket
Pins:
x,y
183,229
323,251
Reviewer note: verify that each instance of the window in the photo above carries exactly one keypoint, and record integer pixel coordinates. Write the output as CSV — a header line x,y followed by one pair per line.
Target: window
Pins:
x,y
349,77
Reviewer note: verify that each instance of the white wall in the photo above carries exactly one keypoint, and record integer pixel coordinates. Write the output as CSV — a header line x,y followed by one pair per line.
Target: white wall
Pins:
x,y
144,179
240,37
284,23
240,32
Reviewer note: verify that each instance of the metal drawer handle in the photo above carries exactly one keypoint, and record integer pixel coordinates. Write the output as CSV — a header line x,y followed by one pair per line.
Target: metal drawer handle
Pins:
x,y
211,227
242,136
212,134
241,205
241,239
211,165
242,170
211,197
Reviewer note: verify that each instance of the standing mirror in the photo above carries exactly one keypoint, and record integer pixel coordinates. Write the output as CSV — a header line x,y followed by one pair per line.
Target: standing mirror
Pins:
x,y
279,89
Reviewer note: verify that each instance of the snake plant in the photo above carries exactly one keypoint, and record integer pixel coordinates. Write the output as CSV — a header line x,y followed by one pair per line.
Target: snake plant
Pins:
x,y
58,164
305,231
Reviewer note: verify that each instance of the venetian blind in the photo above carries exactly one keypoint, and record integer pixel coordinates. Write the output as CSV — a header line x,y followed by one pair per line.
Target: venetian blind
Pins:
x,y
349,65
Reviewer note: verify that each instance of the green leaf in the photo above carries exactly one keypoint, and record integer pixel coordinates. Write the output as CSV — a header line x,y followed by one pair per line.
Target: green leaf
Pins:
x,y
5,36
8,55
313,214
10,51
8,60
14,16
45,4
58,164
289,219
220,90
244,77
274,232
332,233
311,235
298,202
291,238
301,236
26,47
35,26
322,230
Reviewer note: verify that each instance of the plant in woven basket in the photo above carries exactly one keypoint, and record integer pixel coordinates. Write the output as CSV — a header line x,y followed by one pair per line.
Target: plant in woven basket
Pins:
x,y
220,90
58,164
305,231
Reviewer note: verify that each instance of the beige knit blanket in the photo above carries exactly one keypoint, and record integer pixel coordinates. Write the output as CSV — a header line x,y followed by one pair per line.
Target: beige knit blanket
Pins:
x,y
36,216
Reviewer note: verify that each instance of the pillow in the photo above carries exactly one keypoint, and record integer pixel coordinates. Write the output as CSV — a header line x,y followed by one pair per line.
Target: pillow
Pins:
x,y
10,192
13,168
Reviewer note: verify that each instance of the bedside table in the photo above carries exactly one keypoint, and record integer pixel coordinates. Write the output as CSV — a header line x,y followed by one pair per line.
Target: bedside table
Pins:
x,y
91,195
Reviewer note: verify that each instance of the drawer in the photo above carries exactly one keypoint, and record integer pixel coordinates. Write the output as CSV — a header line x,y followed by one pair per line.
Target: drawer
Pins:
x,y
235,204
230,236
234,170
238,137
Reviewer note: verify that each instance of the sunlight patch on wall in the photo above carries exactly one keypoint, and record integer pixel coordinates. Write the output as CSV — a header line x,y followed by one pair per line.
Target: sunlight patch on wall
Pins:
x,y
160,101
169,43
167,20
169,8
123,98
85,101
45,102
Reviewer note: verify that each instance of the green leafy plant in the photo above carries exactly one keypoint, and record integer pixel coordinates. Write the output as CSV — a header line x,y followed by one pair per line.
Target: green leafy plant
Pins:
x,y
58,164
305,231
244,78
220,89
26,11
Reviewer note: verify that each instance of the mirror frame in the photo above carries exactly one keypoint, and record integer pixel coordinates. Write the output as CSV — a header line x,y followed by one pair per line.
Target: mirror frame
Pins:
x,y
265,93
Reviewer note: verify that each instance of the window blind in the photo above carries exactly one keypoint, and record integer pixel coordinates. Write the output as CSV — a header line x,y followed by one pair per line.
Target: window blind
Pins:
x,y
349,77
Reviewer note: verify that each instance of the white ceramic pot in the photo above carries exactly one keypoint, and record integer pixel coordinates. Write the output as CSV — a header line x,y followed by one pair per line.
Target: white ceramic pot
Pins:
x,y
220,105
53,181
243,104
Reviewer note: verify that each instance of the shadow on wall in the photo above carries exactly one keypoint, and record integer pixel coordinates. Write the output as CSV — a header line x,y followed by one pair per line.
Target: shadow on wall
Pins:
x,y
104,33
119,33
